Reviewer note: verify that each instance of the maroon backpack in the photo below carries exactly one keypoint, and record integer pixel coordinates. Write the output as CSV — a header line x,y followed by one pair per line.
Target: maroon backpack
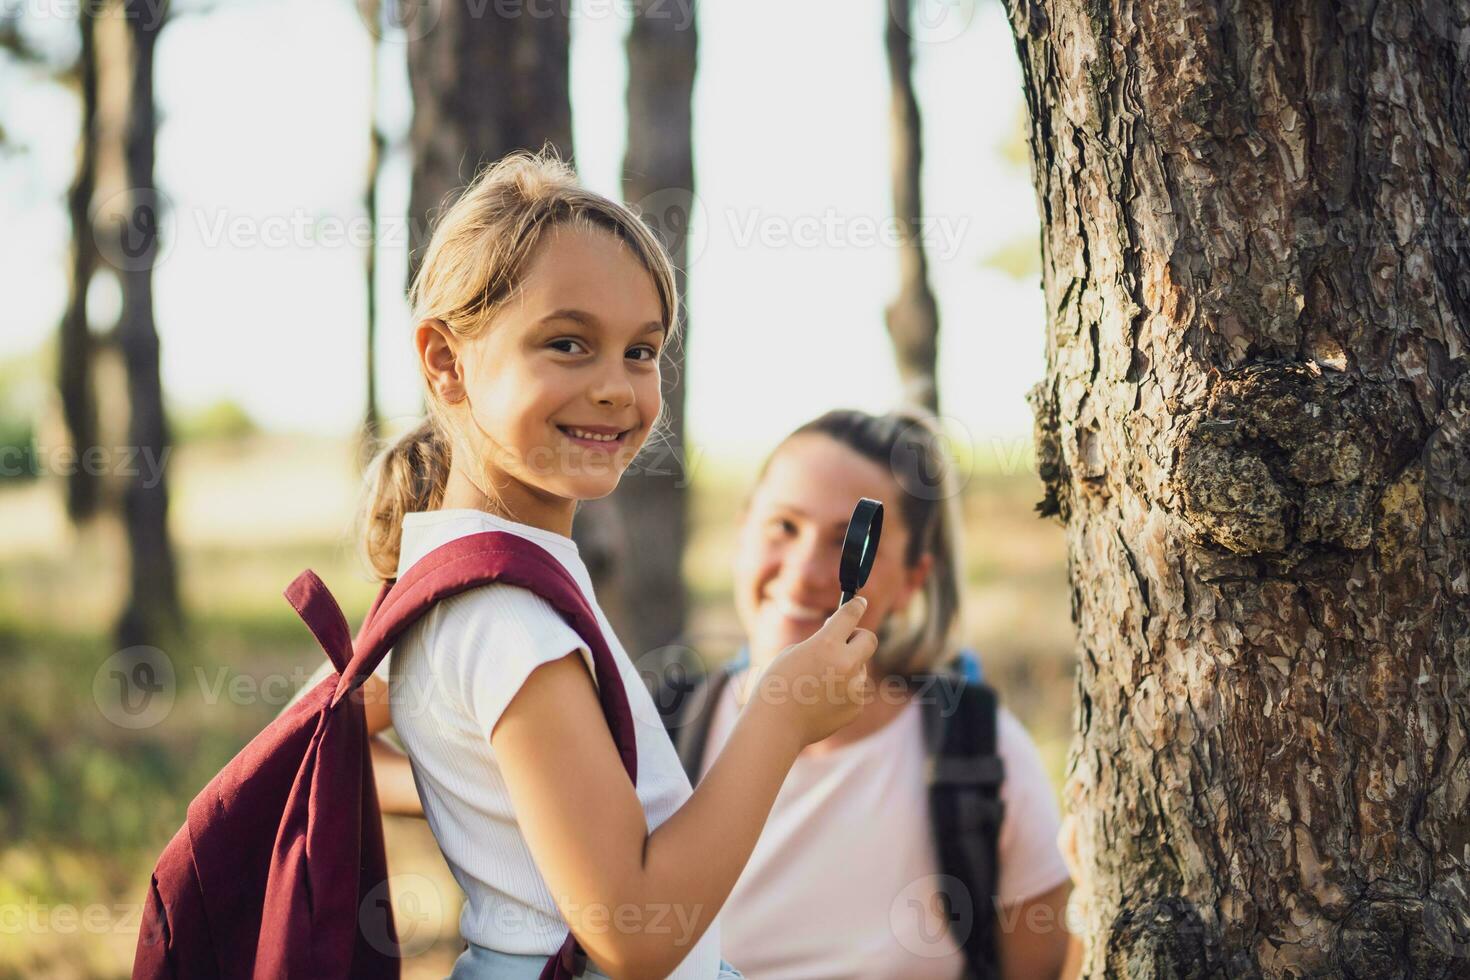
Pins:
x,y
279,869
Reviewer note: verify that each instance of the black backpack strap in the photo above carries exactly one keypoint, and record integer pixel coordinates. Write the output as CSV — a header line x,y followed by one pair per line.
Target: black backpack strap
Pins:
x,y
964,777
686,702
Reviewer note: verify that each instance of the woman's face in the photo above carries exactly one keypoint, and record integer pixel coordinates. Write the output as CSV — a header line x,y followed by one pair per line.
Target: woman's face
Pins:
x,y
790,545
560,391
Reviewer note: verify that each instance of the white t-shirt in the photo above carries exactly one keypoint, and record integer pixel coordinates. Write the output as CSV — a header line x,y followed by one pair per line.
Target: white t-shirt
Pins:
x,y
452,674
844,879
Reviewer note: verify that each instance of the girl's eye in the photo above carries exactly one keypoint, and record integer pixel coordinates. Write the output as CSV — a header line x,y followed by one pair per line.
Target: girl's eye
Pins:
x,y
783,527
564,340
650,351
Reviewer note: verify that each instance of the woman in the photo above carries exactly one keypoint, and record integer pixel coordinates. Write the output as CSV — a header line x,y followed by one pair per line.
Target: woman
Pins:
x,y
844,879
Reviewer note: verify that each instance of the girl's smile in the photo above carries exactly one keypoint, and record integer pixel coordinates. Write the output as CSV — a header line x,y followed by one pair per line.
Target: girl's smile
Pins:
x,y
596,436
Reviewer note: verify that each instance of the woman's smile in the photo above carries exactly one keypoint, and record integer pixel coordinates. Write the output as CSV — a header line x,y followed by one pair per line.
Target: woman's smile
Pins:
x,y
796,612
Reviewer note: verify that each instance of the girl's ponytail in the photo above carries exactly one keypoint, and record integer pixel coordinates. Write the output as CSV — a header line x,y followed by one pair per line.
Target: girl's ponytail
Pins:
x,y
407,475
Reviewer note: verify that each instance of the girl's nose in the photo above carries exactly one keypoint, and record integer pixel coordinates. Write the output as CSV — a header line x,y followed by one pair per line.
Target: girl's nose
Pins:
x,y
613,388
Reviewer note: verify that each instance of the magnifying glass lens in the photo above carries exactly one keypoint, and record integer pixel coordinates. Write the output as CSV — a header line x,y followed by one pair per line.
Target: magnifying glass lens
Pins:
x,y
860,546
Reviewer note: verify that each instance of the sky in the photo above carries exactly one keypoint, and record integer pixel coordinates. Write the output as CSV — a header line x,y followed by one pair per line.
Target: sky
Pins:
x,y
265,108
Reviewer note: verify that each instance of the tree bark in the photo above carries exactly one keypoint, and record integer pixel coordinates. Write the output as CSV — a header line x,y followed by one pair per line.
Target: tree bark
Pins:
x,y
486,80
74,355
913,316
152,614
658,179
1255,425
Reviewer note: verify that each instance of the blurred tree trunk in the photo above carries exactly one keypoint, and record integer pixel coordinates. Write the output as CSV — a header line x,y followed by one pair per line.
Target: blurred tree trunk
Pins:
x,y
658,180
913,316
484,84
152,614
371,11
74,356
1255,425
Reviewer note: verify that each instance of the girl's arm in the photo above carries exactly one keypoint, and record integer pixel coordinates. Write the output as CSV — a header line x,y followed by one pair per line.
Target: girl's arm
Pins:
x,y
375,705
639,901
393,776
392,772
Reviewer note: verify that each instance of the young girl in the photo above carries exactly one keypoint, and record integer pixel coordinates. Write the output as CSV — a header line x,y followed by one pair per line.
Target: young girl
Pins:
x,y
542,312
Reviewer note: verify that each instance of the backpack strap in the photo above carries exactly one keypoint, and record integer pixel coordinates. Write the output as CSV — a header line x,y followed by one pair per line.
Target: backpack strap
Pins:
x,y
462,564
476,559
964,777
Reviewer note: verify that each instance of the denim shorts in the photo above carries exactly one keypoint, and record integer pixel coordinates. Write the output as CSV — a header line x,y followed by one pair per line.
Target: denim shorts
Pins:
x,y
482,963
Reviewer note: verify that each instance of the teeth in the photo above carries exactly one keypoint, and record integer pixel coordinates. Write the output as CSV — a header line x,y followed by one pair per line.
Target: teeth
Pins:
x,y
584,434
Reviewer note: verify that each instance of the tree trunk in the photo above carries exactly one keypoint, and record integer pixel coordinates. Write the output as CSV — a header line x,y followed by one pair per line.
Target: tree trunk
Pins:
x,y
658,180
74,355
486,81
1255,425
913,316
152,614
371,11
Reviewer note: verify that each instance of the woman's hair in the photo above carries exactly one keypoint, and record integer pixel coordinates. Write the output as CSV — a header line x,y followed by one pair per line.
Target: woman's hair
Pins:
x,y
473,265
909,444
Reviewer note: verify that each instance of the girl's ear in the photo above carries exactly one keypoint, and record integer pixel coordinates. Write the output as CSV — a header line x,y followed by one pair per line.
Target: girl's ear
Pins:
x,y
439,359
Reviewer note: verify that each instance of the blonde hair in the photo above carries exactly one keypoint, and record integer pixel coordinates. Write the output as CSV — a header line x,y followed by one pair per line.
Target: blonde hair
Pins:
x,y
910,445
472,267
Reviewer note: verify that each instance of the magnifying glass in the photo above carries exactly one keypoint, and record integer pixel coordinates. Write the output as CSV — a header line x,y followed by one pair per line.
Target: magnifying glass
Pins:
x,y
860,546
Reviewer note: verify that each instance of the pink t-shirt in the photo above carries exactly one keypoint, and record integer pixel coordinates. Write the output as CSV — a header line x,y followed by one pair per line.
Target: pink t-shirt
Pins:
x,y
844,879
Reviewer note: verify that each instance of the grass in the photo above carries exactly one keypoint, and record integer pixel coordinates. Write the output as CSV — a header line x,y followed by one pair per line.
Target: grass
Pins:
x,y
87,804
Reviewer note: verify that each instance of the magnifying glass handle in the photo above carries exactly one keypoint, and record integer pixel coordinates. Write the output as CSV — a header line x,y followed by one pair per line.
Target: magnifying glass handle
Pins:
x,y
846,595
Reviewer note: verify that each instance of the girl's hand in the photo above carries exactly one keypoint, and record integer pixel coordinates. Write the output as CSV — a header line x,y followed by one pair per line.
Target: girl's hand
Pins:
x,y
820,684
